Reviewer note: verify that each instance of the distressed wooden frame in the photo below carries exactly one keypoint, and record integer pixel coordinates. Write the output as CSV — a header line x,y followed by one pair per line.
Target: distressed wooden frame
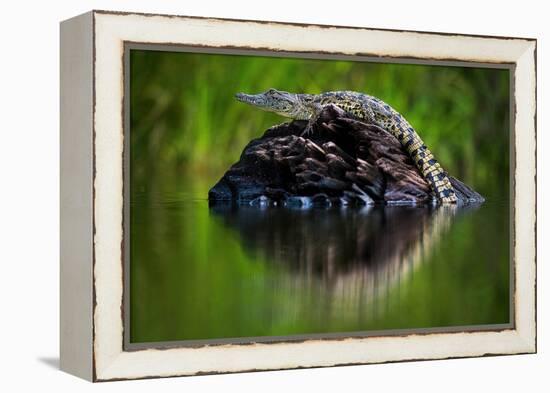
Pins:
x,y
92,193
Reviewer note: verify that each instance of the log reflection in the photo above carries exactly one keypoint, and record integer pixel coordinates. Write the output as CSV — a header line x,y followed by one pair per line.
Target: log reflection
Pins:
x,y
349,252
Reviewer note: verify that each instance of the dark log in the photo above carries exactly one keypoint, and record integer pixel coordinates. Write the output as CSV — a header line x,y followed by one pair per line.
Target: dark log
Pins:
x,y
343,161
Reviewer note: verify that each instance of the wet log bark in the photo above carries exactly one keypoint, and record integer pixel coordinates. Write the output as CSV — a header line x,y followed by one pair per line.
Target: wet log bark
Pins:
x,y
343,162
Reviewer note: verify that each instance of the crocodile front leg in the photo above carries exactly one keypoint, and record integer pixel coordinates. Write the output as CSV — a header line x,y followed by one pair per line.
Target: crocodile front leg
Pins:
x,y
317,109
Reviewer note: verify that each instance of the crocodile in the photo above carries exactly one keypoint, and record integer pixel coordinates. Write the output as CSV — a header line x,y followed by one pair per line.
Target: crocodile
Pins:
x,y
363,107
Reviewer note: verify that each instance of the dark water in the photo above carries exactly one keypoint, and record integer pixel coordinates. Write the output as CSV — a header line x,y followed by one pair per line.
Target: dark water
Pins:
x,y
203,272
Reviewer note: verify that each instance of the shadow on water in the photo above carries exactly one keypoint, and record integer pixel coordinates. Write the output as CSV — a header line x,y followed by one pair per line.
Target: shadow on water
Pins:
x,y
369,248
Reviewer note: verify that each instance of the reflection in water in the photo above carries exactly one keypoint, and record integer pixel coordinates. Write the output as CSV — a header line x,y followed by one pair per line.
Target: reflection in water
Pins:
x,y
355,255
206,272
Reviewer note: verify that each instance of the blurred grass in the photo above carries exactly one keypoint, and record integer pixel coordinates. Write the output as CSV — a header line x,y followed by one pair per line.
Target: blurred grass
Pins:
x,y
185,120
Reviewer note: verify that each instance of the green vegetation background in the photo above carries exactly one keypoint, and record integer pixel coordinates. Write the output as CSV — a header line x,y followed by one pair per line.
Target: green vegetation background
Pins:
x,y
186,122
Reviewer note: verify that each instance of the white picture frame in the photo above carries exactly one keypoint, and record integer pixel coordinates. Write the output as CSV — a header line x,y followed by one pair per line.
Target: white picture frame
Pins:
x,y
92,193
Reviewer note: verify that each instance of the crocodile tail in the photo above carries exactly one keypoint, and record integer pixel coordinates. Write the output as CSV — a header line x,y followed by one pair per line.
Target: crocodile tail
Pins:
x,y
428,166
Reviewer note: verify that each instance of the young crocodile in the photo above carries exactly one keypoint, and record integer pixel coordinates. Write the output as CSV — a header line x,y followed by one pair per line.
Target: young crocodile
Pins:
x,y
363,107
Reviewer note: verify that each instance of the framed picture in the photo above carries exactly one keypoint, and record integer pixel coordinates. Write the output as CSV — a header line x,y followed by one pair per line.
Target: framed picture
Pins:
x,y
245,195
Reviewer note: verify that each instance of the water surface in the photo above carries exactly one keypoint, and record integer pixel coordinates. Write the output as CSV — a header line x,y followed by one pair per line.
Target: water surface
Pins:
x,y
199,271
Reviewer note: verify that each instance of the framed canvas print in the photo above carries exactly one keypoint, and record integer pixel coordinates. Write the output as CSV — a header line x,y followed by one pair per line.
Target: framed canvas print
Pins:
x,y
244,195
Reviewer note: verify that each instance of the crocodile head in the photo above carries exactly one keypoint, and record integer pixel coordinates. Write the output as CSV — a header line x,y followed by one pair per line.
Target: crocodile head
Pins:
x,y
281,102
